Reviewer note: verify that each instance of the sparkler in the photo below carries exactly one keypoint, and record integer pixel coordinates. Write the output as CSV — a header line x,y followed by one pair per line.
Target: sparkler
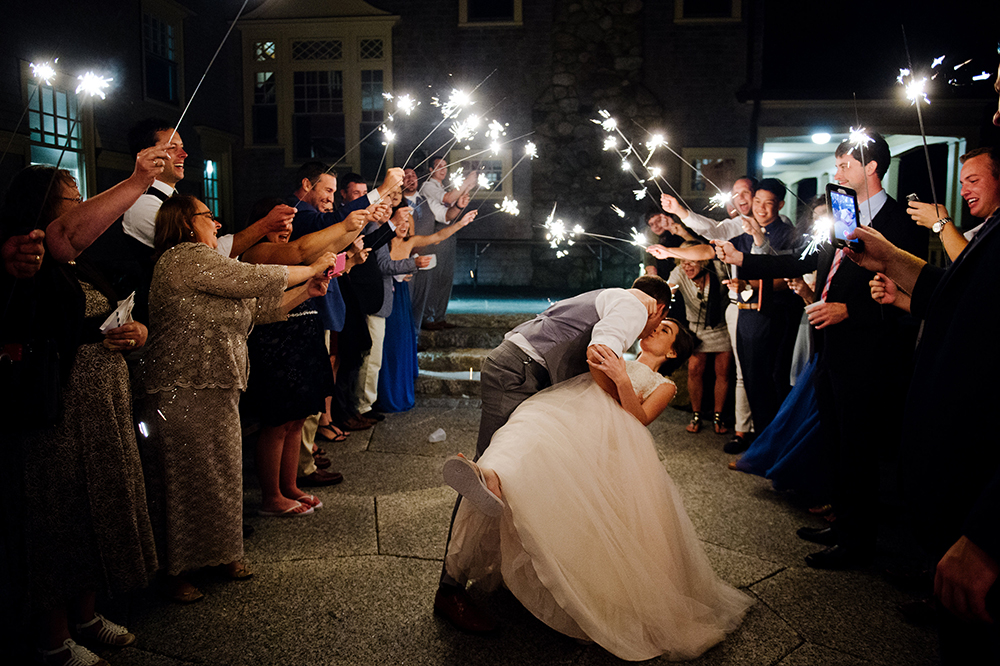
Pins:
x,y
618,211
819,235
210,63
914,92
93,85
450,109
43,72
508,206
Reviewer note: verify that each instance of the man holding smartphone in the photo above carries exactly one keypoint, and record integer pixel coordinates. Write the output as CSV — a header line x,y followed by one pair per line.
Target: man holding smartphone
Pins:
x,y
860,346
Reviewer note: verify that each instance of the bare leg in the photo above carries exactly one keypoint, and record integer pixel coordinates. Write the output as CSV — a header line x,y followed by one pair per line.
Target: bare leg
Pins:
x,y
722,362
289,463
270,455
696,369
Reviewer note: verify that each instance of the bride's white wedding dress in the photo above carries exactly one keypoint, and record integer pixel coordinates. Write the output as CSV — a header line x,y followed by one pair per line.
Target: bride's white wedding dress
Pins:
x,y
594,539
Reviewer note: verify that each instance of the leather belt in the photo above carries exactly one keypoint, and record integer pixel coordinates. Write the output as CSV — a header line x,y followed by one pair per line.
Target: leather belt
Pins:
x,y
747,306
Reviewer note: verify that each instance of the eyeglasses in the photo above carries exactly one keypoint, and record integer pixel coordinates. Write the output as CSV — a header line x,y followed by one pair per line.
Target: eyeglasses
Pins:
x,y
74,199
211,215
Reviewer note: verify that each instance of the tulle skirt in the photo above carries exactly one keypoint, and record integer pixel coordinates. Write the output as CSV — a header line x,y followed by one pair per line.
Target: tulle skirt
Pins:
x,y
594,539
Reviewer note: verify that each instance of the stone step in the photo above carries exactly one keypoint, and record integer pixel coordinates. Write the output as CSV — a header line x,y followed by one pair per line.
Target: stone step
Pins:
x,y
456,384
472,330
453,359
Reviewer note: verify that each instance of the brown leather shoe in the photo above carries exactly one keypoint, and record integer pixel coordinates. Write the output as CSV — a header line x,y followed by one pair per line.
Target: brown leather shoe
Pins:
x,y
321,462
357,422
455,605
320,477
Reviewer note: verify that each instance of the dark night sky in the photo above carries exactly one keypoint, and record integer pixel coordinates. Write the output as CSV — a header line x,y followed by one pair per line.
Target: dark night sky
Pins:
x,y
831,50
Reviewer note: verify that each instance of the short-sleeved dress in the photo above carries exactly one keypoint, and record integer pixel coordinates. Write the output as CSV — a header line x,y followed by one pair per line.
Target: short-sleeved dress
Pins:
x,y
594,539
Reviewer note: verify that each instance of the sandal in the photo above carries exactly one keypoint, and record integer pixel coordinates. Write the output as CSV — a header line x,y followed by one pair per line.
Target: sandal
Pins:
x,y
238,570
76,655
720,427
695,426
821,509
311,500
177,589
300,509
336,434
105,632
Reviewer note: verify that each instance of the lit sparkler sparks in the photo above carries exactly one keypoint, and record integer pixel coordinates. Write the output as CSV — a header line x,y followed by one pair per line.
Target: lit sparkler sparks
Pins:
x,y
457,101
639,194
484,182
93,85
495,130
820,234
390,136
530,150
43,72
982,77
406,104
611,143
639,239
508,206
937,61
618,211
859,138
456,178
915,91
720,200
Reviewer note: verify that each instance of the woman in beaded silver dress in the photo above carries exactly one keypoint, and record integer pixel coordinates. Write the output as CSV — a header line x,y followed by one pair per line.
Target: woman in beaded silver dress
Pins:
x,y
202,307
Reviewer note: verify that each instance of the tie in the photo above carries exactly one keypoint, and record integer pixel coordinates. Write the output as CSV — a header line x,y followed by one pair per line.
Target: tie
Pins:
x,y
837,258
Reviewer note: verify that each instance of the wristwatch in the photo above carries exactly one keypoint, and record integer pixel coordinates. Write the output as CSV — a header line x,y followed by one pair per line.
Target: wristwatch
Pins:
x,y
938,226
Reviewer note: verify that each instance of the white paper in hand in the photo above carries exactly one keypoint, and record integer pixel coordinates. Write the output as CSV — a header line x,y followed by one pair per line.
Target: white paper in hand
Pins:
x,y
121,316
434,262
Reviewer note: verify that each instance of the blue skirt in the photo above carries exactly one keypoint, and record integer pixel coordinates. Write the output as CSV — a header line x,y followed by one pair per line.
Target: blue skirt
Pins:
x,y
396,381
790,451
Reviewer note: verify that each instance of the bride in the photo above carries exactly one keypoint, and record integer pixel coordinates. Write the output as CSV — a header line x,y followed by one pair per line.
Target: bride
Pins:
x,y
572,508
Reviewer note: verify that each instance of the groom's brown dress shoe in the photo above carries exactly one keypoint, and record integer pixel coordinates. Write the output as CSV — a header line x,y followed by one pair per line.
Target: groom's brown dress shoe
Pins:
x,y
455,605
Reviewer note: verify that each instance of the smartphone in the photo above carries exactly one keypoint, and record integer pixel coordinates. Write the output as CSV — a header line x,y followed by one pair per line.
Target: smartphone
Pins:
x,y
845,212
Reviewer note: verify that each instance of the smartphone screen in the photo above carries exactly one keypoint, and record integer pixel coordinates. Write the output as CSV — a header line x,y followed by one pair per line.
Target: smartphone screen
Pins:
x,y
844,210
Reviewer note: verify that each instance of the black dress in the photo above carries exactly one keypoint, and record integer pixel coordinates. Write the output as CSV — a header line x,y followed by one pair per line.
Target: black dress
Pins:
x,y
290,374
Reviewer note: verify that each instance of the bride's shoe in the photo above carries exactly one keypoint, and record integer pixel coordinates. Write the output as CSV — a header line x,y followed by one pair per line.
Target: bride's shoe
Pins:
x,y
464,476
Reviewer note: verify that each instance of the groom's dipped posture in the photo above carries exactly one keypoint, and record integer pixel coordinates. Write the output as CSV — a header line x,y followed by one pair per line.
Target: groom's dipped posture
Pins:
x,y
552,347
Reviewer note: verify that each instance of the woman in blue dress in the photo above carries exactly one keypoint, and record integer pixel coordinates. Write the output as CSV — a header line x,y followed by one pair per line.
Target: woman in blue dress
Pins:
x,y
397,380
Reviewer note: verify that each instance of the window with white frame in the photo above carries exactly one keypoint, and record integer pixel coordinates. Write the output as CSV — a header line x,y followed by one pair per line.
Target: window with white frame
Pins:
x,y
316,90
55,128
210,187
493,173
161,59
318,115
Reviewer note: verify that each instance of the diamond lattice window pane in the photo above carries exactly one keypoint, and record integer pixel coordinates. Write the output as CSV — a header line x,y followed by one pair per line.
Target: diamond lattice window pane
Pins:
x,y
371,49
263,51
329,49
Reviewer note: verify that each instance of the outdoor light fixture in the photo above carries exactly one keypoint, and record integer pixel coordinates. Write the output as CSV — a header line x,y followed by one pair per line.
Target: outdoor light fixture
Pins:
x,y
767,160
821,138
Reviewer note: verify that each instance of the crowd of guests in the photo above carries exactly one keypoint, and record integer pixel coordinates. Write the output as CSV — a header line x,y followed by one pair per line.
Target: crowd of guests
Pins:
x,y
124,459
123,465
841,325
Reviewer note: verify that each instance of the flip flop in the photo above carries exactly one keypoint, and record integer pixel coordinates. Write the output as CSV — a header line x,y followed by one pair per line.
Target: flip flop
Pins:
x,y
291,512
337,436
312,501
464,476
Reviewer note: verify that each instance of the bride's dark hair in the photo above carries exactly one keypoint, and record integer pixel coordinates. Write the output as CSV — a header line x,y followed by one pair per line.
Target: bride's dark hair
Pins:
x,y
684,344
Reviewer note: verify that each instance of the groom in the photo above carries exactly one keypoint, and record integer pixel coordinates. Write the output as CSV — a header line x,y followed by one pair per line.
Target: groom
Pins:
x,y
552,347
